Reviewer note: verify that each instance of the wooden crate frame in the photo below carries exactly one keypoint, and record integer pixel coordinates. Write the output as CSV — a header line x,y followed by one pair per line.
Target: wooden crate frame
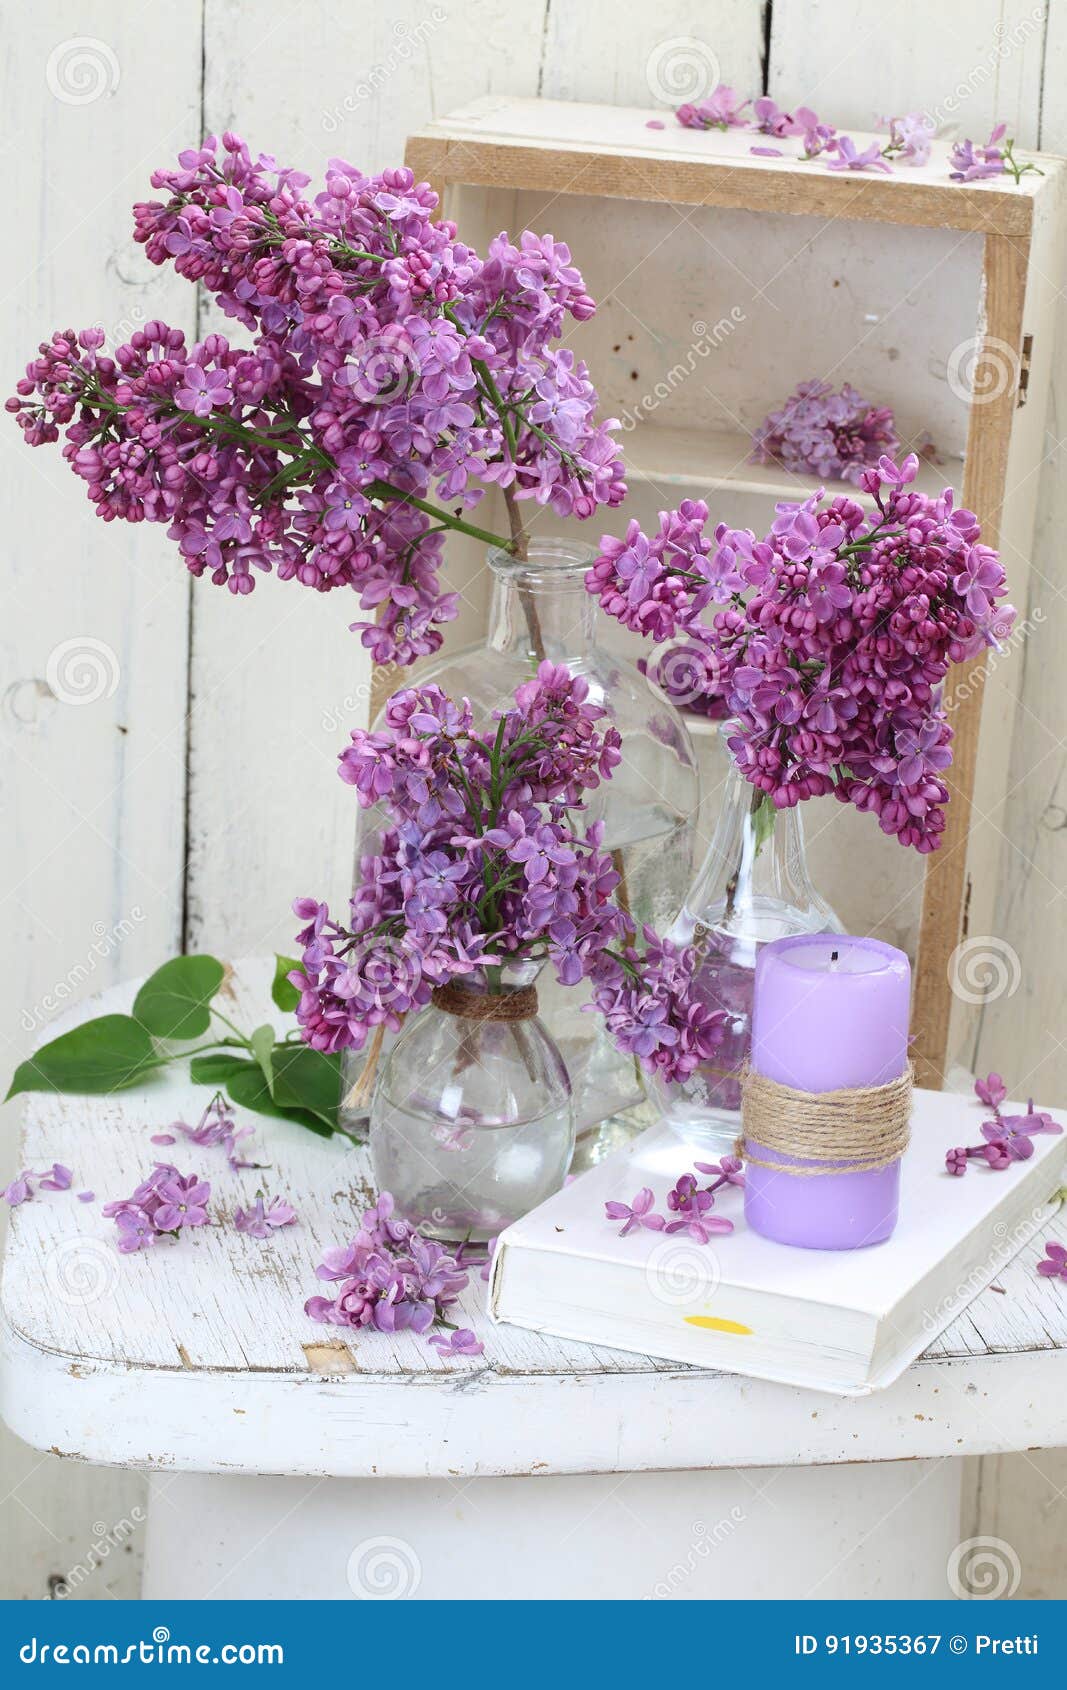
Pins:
x,y
566,148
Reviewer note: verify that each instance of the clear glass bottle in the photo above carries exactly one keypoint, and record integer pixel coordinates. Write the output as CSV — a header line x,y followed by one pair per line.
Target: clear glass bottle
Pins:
x,y
540,608
472,1122
753,887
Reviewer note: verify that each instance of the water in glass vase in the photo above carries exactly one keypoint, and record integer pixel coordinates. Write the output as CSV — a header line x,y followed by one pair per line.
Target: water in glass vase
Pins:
x,y
753,888
472,1122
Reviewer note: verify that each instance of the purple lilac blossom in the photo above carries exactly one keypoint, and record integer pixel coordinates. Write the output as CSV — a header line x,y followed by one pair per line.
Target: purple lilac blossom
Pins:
x,y
485,859
829,637
836,435
387,366
389,1277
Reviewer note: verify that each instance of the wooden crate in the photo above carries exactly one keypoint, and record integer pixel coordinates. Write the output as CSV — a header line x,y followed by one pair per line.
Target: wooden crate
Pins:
x,y
960,282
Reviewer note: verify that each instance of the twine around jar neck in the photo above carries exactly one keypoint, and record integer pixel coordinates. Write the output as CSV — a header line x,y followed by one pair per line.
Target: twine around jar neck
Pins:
x,y
854,1130
518,1004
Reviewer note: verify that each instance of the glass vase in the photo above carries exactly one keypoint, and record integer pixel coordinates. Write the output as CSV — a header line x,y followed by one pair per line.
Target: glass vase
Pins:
x,y
753,887
540,608
472,1122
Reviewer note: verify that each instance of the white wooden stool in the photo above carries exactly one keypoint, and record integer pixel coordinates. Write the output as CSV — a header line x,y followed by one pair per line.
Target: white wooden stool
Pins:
x,y
290,1459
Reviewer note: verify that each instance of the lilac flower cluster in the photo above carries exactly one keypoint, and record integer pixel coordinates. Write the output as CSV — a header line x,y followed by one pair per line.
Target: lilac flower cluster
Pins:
x,y
388,363
829,637
821,432
1006,1138
689,1204
910,138
484,864
392,1279
166,1202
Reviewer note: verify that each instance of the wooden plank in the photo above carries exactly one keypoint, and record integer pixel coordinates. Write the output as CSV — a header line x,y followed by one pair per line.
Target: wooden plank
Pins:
x,y
944,920
572,148
94,635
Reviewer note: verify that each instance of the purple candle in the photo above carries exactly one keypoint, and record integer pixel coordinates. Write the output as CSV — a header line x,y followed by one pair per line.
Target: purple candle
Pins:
x,y
828,1011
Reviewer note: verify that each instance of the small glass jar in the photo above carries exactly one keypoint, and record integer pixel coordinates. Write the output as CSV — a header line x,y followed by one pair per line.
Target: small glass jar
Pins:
x,y
472,1122
540,608
753,887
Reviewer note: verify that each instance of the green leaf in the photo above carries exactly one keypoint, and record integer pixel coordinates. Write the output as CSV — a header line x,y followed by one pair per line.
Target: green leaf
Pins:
x,y
283,992
214,1070
173,1002
246,1085
99,1056
307,1079
262,1042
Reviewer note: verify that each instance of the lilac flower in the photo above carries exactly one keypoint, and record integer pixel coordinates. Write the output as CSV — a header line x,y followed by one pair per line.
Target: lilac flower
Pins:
x,y
21,1189
638,1213
136,1231
974,164
167,1201
956,1160
847,156
991,1091
259,1221
182,1203
459,1343
58,1178
1017,1146
910,138
700,1227
1034,1121
1054,1265
721,109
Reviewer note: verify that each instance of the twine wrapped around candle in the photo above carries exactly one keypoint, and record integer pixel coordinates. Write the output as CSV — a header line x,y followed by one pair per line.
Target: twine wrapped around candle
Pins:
x,y
457,999
851,1131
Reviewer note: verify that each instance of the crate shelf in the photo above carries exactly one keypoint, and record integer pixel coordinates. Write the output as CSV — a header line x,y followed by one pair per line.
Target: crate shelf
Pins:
x,y
934,296
718,462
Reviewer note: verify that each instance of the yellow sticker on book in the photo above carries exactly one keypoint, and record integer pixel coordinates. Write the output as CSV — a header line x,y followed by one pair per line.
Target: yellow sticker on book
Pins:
x,y
713,1324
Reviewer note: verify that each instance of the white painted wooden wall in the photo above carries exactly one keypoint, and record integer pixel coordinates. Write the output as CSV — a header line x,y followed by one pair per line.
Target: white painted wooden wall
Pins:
x,y
168,754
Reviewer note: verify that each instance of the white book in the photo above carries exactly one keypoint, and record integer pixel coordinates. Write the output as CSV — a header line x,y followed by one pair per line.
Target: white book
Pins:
x,y
846,1321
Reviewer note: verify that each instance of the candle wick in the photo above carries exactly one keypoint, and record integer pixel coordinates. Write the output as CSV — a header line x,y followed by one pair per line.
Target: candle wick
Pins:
x,y
833,961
